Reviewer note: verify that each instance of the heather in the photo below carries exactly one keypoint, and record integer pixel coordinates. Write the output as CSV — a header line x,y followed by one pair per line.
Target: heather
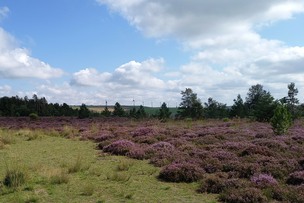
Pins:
x,y
221,156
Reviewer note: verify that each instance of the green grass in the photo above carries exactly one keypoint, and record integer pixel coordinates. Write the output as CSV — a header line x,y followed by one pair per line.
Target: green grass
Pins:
x,y
65,170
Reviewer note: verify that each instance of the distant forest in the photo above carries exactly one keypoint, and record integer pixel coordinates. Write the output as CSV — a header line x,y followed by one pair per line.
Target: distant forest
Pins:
x,y
258,105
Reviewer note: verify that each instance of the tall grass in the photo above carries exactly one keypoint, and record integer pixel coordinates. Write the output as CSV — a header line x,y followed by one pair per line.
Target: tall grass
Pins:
x,y
76,166
15,175
58,176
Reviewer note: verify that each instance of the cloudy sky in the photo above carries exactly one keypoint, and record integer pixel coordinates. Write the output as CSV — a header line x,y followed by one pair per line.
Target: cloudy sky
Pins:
x,y
77,51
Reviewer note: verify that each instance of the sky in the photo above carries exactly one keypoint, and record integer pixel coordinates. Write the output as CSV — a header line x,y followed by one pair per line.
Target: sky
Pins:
x,y
92,51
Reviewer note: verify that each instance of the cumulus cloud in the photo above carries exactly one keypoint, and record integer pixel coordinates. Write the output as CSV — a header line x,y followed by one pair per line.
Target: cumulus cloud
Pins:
x,y
90,77
207,22
16,62
230,53
133,80
134,74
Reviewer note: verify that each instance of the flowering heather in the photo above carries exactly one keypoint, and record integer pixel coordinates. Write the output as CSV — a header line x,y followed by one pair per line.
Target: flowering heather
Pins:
x,y
263,180
243,195
252,150
243,150
223,155
274,144
296,178
102,137
144,131
120,147
162,146
136,153
213,183
181,172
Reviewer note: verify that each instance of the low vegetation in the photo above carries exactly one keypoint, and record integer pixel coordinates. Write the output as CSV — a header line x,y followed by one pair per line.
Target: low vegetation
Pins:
x,y
56,169
204,157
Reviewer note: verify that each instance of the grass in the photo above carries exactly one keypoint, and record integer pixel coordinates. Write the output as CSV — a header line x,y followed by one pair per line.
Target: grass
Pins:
x,y
65,170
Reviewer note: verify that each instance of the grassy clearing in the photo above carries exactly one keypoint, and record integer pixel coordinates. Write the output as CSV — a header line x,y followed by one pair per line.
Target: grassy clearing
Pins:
x,y
55,169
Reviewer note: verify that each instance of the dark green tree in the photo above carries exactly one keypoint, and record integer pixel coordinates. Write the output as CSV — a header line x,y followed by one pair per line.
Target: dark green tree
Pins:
x,y
132,113
214,109
291,100
83,112
238,109
106,112
191,106
164,112
141,113
260,103
281,120
118,110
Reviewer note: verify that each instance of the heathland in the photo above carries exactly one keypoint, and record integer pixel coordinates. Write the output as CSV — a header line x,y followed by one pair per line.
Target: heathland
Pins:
x,y
65,159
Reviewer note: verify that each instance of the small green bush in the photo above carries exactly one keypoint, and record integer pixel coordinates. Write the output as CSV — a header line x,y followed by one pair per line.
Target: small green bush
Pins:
x,y
281,120
33,116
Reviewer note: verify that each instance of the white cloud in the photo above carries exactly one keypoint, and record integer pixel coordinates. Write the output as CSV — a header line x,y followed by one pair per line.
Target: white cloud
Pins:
x,y
132,74
4,12
90,77
138,80
16,62
206,22
230,54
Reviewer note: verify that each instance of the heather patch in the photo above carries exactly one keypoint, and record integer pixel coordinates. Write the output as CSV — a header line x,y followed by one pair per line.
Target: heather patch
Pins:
x,y
246,152
144,131
263,180
296,178
120,147
243,195
181,172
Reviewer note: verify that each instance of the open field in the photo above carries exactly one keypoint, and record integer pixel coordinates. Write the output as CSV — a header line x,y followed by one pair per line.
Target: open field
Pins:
x,y
57,169
240,160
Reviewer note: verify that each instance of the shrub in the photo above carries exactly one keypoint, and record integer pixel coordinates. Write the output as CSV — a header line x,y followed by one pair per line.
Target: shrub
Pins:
x,y
162,159
213,184
281,120
33,116
136,153
246,170
162,146
120,147
296,178
181,172
263,180
243,195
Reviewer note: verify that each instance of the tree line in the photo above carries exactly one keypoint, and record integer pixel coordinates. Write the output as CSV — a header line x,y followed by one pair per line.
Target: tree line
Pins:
x,y
258,105
17,106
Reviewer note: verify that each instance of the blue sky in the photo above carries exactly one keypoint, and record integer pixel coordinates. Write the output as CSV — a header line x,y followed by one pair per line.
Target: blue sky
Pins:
x,y
77,51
